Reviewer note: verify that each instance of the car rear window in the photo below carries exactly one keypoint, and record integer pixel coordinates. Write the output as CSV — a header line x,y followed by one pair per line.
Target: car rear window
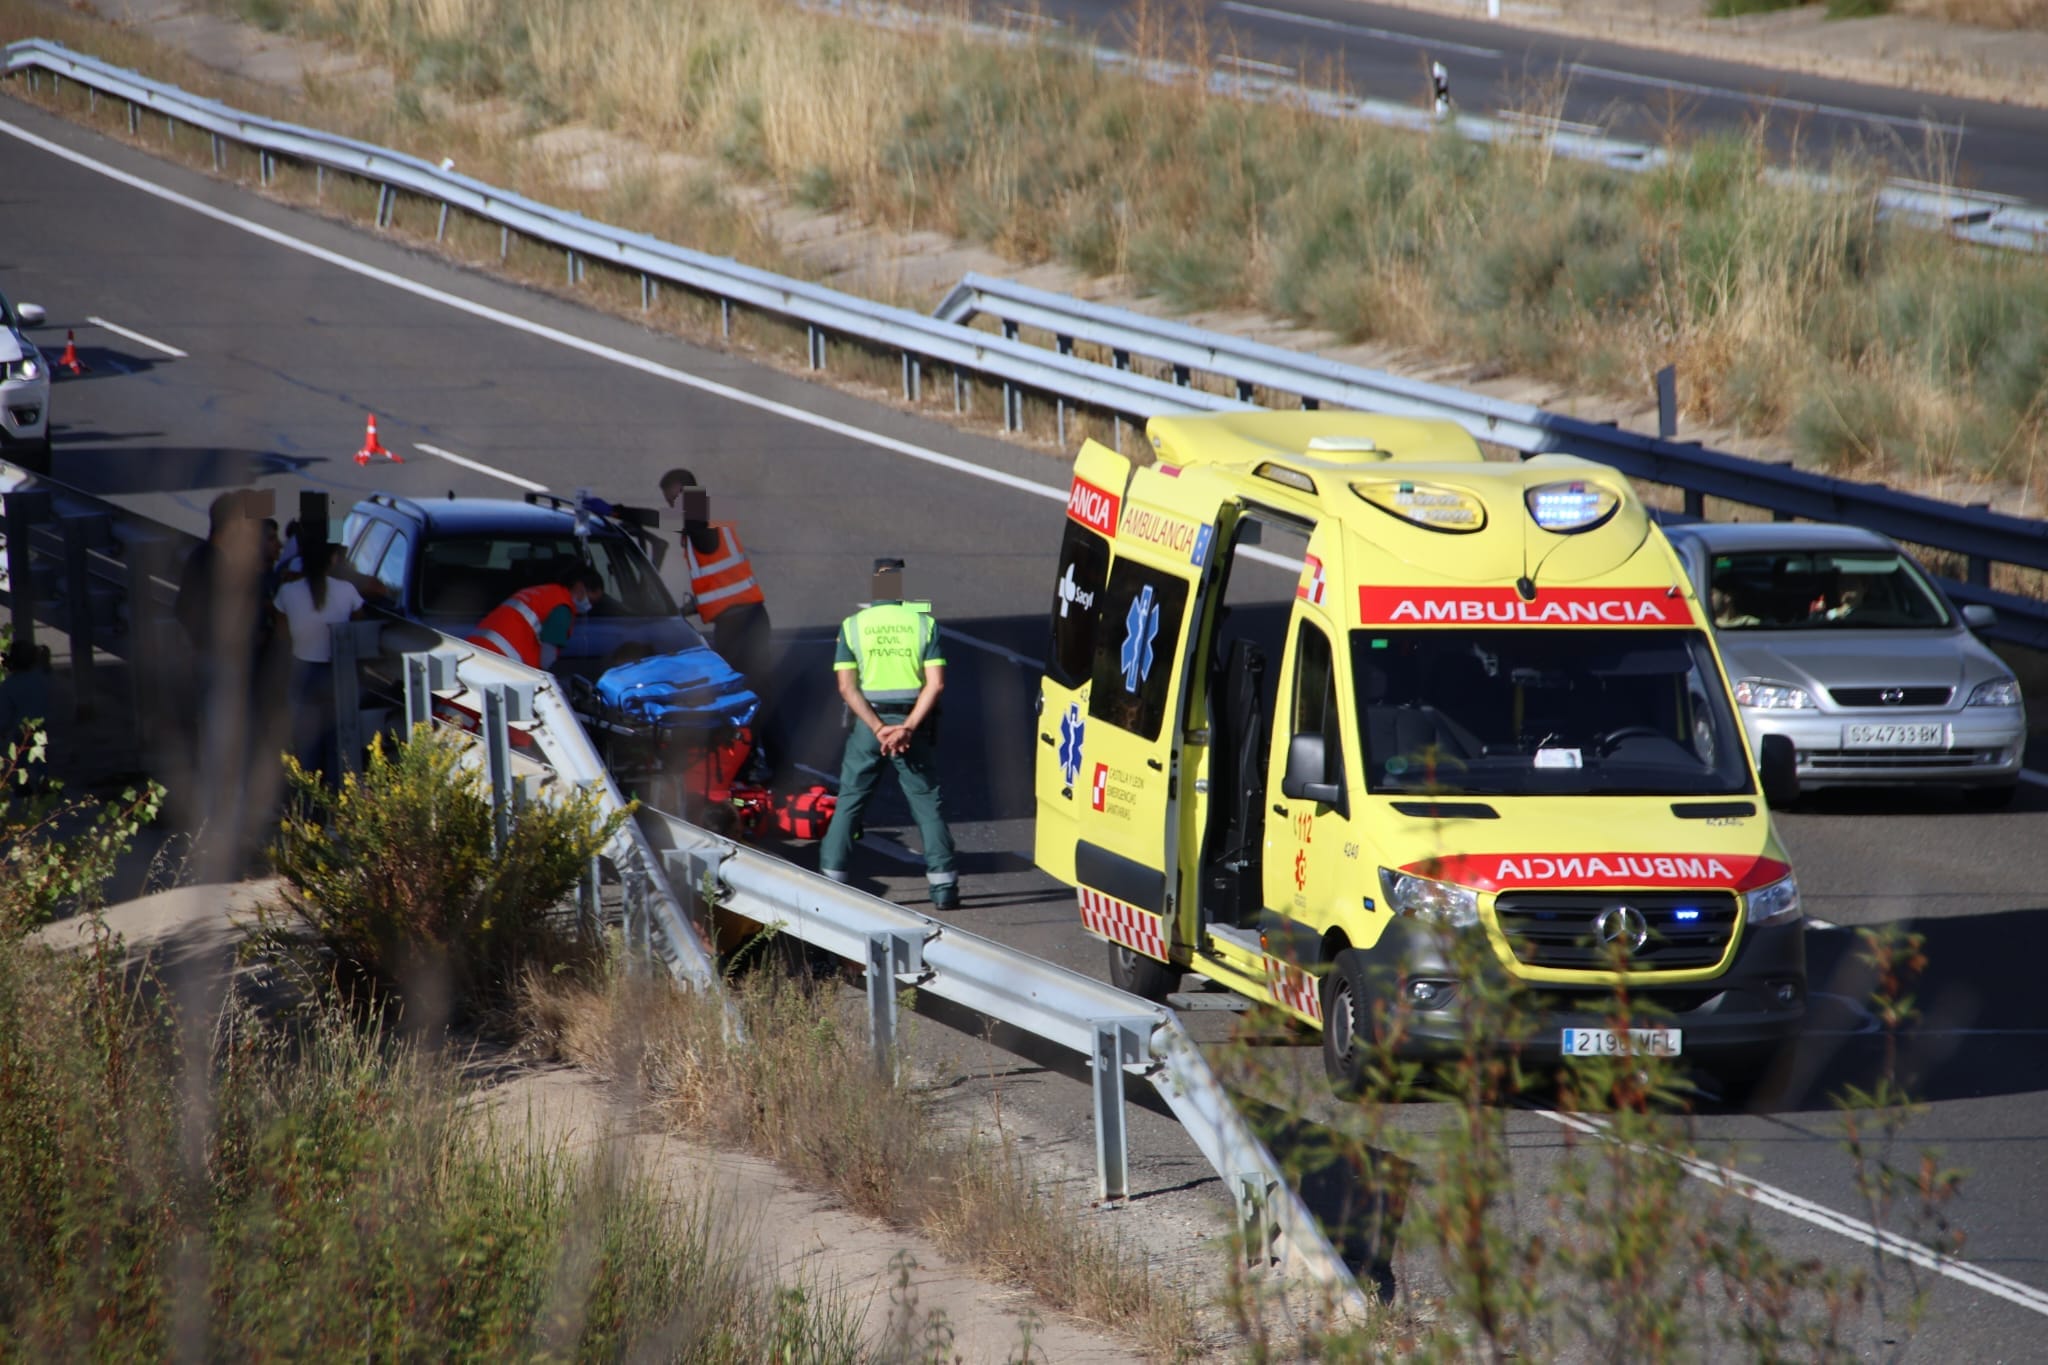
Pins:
x,y
469,575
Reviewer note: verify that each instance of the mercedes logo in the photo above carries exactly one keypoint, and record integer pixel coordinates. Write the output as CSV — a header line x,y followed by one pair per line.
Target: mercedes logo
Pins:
x,y
1623,924
1892,696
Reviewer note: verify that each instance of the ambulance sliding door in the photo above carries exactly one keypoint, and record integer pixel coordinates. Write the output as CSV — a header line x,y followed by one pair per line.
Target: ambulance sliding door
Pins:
x,y
1093,505
1126,857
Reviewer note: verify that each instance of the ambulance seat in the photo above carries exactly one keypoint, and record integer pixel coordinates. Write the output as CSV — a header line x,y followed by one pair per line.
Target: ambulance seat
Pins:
x,y
1407,729
1233,878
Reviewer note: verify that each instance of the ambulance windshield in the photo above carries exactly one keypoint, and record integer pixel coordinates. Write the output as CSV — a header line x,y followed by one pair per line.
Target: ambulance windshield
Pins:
x,y
1521,712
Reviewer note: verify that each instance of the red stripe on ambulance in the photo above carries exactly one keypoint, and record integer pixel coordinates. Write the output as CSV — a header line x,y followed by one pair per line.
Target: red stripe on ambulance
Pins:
x,y
1516,871
1504,606
1122,923
1095,508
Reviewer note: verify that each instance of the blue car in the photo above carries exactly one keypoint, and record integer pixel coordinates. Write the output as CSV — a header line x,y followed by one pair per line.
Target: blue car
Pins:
x,y
448,563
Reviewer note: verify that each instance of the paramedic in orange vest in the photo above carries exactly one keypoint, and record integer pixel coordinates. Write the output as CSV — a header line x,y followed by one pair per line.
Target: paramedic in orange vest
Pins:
x,y
723,590
534,623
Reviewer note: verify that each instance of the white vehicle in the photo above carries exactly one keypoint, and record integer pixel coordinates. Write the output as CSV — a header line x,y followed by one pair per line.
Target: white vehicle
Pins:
x,y
24,390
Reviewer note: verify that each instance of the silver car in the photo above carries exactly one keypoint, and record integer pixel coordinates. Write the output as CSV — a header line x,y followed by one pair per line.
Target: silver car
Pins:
x,y
24,390
1836,639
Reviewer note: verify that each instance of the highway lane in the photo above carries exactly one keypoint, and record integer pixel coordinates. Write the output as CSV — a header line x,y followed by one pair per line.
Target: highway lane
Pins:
x,y
1641,94
286,351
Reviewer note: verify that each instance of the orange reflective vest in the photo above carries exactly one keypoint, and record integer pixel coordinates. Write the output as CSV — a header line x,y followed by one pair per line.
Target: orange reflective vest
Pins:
x,y
724,578
513,628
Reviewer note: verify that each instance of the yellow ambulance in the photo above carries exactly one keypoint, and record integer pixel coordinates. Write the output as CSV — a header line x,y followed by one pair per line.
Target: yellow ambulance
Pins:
x,y
1326,686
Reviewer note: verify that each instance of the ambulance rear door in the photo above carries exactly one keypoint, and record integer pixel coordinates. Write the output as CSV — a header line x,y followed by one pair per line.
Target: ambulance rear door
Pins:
x,y
1163,567
1094,504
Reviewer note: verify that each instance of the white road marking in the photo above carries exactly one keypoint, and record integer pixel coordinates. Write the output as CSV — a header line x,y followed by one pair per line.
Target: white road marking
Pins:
x,y
2038,779
1250,65
480,467
1774,101
1820,1216
1854,1229
150,342
541,331
1338,26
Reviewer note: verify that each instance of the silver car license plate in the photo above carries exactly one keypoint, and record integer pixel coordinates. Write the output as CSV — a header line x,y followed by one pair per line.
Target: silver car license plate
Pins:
x,y
1895,735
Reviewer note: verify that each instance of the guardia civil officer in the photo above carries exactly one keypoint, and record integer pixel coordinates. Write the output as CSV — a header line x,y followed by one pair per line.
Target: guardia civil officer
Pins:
x,y
891,672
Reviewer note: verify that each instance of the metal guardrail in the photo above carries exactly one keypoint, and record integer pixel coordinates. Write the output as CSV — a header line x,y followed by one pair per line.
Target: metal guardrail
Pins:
x,y
1980,536
917,339
118,598
1119,1033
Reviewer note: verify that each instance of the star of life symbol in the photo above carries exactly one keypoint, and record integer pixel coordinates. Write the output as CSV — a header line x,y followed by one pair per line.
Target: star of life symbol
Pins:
x,y
1300,869
1141,628
1071,728
1072,594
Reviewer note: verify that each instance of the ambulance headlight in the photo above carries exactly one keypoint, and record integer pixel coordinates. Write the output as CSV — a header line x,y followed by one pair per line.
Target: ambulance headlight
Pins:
x,y
1775,903
1435,902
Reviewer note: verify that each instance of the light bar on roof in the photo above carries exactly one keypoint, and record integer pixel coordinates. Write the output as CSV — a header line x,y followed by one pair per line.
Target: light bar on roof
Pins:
x,y
1571,506
1431,506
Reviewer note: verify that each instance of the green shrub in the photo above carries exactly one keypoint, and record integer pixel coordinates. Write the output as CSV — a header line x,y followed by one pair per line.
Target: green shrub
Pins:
x,y
48,863
395,876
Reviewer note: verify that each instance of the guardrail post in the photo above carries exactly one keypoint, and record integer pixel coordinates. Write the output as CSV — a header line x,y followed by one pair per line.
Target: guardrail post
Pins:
x,y
959,393
441,224
25,507
498,765
354,641
814,337
590,902
891,954
1255,1198
1311,404
638,919
426,674
80,535
384,206
217,161
913,378
1695,503
1119,1043
572,266
1183,376
1667,402
725,318
134,119
504,244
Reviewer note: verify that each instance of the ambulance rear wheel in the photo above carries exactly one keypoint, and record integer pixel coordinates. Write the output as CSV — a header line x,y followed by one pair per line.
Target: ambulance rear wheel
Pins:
x,y
1346,1049
1130,970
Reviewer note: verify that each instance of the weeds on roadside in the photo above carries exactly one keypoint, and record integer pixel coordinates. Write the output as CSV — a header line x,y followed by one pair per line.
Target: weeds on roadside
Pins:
x,y
1508,1244
393,882
800,1088
56,852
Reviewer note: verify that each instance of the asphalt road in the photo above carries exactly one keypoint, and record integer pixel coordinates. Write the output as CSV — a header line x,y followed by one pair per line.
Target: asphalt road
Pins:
x,y
285,351
1639,94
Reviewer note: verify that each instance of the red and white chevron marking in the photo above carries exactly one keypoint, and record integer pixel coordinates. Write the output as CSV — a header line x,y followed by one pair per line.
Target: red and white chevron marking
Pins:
x,y
1121,923
1294,988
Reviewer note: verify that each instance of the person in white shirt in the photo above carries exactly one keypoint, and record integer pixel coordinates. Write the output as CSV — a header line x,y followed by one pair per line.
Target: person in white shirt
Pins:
x,y
312,606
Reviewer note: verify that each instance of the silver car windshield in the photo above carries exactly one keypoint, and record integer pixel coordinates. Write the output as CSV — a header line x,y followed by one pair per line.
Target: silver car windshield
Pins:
x,y
1519,712
1822,590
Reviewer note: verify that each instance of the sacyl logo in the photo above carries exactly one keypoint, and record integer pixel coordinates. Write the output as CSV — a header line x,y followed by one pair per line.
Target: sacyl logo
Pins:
x,y
1072,594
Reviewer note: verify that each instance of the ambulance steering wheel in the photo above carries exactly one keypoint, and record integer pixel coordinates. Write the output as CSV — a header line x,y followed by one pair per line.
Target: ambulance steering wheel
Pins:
x,y
1612,739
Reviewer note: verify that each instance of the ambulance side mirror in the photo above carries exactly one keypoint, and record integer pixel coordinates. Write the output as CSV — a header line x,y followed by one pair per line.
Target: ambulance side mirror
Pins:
x,y
1778,763
1308,773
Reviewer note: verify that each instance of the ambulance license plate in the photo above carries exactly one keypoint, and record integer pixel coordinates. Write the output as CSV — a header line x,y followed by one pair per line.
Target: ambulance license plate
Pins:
x,y
1606,1042
1895,736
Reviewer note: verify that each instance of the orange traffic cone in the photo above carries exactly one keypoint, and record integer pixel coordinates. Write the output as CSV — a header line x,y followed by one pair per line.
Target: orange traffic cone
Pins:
x,y
69,360
373,449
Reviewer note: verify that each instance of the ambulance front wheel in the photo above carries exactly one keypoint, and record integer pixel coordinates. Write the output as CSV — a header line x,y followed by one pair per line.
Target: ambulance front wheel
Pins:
x,y
1130,970
1345,1012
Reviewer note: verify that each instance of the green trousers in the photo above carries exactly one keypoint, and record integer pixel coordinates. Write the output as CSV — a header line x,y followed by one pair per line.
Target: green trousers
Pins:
x,y
917,772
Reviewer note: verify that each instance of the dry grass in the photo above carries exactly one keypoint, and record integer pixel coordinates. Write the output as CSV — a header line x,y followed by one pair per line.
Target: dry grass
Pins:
x,y
1995,14
1875,350
802,1092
